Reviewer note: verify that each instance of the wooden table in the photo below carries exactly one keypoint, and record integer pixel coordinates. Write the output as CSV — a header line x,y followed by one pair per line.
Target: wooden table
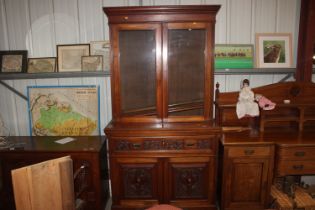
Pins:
x,y
88,150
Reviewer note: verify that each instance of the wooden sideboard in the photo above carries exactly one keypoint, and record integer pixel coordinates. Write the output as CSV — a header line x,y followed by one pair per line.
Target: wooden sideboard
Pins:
x,y
89,151
276,144
251,160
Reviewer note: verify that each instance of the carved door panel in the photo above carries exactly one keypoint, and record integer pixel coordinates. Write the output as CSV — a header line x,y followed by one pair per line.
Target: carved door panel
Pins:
x,y
245,183
191,179
136,181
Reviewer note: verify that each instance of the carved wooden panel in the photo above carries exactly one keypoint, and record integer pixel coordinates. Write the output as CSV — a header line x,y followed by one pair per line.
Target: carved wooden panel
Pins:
x,y
162,144
190,178
189,181
138,181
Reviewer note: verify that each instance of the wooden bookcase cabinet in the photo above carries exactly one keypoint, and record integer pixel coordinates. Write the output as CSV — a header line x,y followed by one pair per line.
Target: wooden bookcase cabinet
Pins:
x,y
162,141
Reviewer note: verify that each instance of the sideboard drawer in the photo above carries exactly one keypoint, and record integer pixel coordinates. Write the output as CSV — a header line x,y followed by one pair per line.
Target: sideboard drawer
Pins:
x,y
162,144
297,153
285,167
250,151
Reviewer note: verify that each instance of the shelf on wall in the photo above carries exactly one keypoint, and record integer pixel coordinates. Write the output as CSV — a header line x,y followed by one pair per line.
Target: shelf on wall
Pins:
x,y
255,71
14,76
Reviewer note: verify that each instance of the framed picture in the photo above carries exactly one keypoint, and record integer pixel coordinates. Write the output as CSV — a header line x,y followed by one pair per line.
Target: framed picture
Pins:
x,y
273,50
238,56
41,65
101,48
13,61
92,63
69,56
64,110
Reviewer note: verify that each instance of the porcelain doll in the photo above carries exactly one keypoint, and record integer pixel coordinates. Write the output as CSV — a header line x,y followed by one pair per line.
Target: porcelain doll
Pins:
x,y
246,105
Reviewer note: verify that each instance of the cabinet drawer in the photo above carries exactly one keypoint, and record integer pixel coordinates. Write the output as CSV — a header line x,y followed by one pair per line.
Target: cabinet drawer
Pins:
x,y
162,144
297,153
251,151
285,167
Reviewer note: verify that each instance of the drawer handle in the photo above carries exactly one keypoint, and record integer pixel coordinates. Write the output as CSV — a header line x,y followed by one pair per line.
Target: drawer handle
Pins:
x,y
136,146
299,154
249,151
190,144
298,167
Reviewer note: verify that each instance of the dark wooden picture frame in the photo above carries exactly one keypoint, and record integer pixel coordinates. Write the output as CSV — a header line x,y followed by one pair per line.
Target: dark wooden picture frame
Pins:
x,y
69,57
14,61
41,65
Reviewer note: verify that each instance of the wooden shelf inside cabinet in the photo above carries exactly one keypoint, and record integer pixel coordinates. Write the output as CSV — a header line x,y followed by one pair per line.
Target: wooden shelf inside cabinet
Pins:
x,y
15,76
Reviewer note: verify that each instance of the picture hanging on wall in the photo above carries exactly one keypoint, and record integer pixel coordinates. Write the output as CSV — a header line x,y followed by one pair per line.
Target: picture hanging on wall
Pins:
x,y
41,65
273,50
69,56
13,61
239,56
64,110
101,48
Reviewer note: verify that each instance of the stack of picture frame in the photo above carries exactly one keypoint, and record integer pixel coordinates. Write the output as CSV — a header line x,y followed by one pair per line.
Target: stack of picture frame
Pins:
x,y
272,50
70,58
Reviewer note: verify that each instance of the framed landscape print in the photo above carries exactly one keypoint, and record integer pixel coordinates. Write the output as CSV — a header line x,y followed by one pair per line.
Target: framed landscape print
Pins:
x,y
13,61
101,48
92,63
239,56
69,56
41,65
273,50
64,110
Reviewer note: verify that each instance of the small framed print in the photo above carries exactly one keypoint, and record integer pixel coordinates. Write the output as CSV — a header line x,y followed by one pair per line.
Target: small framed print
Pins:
x,y
234,56
273,50
13,61
69,57
41,65
102,48
92,63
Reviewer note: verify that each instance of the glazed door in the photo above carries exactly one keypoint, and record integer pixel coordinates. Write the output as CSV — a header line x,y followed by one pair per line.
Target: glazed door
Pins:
x,y
187,71
136,71
136,181
245,183
191,180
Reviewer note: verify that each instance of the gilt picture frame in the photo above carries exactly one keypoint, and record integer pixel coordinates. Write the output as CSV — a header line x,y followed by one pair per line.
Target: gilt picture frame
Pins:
x,y
13,61
41,65
69,57
273,50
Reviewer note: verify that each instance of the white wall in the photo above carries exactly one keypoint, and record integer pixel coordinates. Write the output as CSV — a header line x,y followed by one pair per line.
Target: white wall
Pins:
x,y
40,25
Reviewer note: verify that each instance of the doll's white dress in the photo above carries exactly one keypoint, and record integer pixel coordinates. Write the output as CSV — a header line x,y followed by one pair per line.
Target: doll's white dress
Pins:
x,y
246,106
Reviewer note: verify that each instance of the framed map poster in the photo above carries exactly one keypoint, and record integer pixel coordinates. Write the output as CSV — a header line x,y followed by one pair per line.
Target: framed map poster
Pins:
x,y
64,110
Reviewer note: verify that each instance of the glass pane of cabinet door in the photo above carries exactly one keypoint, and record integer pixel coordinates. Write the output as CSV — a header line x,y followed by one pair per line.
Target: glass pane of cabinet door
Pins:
x,y
137,59
186,68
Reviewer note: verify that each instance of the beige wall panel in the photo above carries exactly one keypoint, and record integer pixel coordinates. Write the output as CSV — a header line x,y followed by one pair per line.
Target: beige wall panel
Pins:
x,y
18,22
239,21
91,24
66,21
42,28
264,16
4,43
